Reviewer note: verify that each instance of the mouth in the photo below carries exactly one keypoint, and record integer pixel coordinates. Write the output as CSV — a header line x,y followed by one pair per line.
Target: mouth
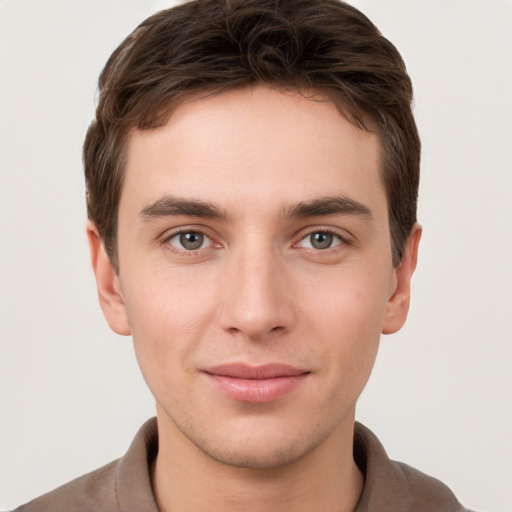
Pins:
x,y
255,384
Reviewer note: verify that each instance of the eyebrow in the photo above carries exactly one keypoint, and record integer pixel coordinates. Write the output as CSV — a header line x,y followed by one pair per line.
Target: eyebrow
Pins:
x,y
339,205
171,205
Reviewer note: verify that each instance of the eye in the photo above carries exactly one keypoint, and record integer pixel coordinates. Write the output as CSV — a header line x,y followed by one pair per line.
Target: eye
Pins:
x,y
189,240
320,240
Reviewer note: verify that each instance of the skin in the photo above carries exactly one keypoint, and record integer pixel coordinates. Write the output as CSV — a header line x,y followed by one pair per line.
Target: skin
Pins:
x,y
258,290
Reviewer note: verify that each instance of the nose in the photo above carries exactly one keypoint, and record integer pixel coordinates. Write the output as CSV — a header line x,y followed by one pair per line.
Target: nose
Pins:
x,y
257,299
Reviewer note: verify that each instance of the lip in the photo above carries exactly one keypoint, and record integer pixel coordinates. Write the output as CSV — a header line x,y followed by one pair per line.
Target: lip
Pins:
x,y
255,384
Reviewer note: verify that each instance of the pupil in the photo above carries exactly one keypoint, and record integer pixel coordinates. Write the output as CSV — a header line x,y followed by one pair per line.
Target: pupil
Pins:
x,y
321,240
191,241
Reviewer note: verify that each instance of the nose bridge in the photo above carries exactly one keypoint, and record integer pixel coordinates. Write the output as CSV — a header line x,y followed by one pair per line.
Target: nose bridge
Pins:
x,y
255,301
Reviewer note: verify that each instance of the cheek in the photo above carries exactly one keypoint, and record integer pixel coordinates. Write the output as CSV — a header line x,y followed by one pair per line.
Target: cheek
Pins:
x,y
352,301
168,299
349,314
167,315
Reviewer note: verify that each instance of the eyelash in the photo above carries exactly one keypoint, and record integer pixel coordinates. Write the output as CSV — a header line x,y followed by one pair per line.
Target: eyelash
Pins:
x,y
168,237
343,240
166,240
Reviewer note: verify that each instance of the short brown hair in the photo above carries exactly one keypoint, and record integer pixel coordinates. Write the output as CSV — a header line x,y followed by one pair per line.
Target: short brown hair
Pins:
x,y
219,45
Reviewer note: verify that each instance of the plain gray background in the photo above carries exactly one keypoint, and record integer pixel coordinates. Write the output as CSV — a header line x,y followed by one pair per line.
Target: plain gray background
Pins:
x,y
71,396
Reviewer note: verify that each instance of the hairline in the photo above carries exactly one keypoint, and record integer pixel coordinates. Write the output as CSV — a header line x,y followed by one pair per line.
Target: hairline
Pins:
x,y
316,94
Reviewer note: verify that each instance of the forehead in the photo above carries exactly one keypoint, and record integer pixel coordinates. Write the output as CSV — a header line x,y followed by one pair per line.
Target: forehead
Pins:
x,y
256,146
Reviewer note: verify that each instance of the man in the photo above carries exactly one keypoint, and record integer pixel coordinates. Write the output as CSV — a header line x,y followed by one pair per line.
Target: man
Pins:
x,y
252,177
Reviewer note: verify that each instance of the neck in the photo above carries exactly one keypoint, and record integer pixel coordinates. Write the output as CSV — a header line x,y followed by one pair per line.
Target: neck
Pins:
x,y
185,479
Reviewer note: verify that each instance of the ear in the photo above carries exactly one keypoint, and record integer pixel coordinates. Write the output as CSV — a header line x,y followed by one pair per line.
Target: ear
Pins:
x,y
398,305
108,285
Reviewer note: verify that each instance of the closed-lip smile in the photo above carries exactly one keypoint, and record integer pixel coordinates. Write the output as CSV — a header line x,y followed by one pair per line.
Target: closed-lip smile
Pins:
x,y
255,384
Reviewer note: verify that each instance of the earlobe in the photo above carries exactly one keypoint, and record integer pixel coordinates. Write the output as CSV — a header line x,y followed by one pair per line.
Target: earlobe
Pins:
x,y
107,283
398,305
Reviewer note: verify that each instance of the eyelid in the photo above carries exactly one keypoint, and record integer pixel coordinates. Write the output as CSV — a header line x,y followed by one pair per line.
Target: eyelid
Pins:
x,y
174,232
345,237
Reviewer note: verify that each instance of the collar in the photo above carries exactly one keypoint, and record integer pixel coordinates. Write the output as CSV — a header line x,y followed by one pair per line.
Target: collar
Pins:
x,y
388,485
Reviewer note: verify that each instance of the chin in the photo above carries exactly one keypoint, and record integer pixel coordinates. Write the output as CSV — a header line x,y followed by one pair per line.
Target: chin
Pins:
x,y
259,457
258,448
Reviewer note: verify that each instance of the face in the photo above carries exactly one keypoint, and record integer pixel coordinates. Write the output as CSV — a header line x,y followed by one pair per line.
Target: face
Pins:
x,y
255,272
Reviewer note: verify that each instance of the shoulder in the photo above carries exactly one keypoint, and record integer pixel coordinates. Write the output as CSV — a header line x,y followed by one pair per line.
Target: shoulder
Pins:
x,y
425,493
89,493
124,484
391,485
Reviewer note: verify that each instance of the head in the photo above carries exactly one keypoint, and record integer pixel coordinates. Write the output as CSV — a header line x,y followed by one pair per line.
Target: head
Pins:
x,y
252,175
208,47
